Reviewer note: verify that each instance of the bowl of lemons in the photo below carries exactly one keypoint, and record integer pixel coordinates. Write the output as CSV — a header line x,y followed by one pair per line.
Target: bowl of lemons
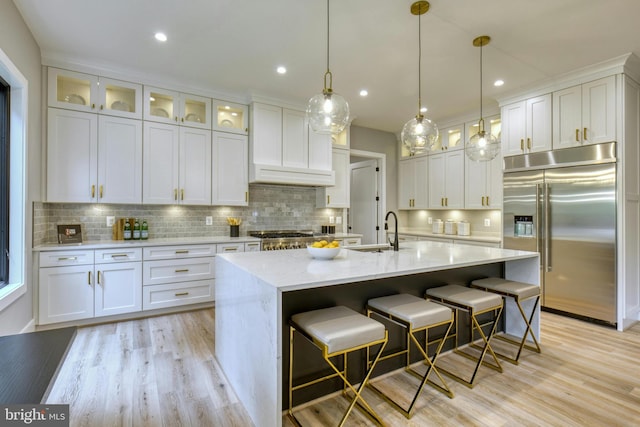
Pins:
x,y
323,249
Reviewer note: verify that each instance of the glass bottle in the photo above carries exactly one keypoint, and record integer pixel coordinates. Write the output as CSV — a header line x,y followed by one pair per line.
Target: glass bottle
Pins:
x,y
127,230
136,230
144,232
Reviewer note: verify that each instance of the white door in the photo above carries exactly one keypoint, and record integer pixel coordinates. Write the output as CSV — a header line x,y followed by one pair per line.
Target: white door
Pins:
x,y
363,214
160,163
230,171
195,166
66,293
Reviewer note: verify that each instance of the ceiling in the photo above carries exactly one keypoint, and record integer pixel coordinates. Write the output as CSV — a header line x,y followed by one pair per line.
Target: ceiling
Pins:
x,y
232,47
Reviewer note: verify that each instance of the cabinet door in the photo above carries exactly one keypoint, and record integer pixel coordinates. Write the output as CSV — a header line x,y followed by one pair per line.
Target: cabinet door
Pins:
x,y
567,117
295,139
160,164
599,111
454,180
72,153
494,184
538,123
320,151
513,128
406,183
161,105
118,98
66,293
230,117
421,182
195,111
475,184
230,170
72,91
118,288
437,169
119,160
338,195
266,135
195,166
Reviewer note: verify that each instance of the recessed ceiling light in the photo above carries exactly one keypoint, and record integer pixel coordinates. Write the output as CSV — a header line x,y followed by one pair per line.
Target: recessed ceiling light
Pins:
x,y
364,92
498,82
281,70
161,37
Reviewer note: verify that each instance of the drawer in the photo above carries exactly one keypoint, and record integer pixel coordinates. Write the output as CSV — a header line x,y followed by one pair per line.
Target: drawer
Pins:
x,y
225,248
106,256
171,295
60,258
181,251
179,270
252,247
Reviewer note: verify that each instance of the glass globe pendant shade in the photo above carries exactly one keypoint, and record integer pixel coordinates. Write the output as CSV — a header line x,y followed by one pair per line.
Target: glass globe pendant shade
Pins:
x,y
328,113
482,147
419,135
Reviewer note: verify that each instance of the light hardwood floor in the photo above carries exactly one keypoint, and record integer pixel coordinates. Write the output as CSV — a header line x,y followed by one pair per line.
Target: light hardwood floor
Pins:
x,y
161,371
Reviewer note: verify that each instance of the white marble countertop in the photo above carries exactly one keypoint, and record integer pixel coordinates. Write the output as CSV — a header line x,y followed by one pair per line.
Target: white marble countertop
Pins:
x,y
476,237
296,269
107,244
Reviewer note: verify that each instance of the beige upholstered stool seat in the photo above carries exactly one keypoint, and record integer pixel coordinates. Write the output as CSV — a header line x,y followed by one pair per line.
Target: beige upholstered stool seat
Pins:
x,y
414,314
339,328
473,298
417,312
507,287
519,292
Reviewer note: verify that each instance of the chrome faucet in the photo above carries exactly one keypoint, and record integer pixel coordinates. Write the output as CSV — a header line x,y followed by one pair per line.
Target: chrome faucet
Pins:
x,y
386,227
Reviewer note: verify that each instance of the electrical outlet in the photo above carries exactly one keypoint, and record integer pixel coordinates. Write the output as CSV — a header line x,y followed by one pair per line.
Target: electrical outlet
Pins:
x,y
429,220
110,221
487,222
208,220
332,220
338,220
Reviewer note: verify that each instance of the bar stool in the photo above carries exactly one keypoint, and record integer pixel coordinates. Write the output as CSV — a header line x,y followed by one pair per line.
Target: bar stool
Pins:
x,y
413,314
519,292
337,331
475,302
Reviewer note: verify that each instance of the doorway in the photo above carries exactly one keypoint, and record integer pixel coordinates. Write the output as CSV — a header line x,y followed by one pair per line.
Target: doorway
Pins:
x,y
368,195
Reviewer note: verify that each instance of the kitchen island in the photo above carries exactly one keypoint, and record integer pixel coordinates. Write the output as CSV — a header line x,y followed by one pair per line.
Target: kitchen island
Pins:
x,y
256,293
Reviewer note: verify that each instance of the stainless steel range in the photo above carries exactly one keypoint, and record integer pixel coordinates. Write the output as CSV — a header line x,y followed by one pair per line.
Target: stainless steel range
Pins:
x,y
274,240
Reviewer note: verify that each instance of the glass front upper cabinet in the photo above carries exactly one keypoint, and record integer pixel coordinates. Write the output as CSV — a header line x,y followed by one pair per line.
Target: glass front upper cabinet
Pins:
x,y
450,138
230,117
86,92
161,105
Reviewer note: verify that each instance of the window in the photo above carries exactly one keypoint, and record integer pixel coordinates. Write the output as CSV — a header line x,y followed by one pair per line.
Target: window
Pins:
x,y
4,183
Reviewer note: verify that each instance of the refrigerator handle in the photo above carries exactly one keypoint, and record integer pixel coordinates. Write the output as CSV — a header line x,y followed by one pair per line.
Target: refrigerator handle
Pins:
x,y
547,229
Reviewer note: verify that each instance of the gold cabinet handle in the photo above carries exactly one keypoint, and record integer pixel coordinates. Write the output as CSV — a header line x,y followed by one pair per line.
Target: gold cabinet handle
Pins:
x,y
246,196
230,249
101,191
176,118
182,270
67,258
175,194
181,294
93,191
577,135
522,145
89,278
182,194
182,119
446,201
487,200
182,251
482,200
529,143
119,256
99,278
93,105
328,199
584,134
101,107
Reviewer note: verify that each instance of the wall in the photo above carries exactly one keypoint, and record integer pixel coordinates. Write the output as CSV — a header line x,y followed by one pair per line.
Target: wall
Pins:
x,y
271,207
18,44
378,141
419,220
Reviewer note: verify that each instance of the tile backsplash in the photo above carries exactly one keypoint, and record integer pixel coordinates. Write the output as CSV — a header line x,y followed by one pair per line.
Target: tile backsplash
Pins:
x,y
270,207
476,218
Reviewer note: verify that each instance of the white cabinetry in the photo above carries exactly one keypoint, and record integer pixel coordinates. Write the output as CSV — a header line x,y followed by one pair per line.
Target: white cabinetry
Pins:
x,y
230,169
483,184
230,117
177,165
413,183
337,196
166,106
526,126
71,287
450,138
284,151
93,158
446,180
178,275
585,114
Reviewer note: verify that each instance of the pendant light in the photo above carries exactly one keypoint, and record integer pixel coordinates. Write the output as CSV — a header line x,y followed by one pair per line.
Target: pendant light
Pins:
x,y
483,146
419,134
328,112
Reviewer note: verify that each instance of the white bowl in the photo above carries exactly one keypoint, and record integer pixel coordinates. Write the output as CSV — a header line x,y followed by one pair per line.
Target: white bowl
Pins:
x,y
323,253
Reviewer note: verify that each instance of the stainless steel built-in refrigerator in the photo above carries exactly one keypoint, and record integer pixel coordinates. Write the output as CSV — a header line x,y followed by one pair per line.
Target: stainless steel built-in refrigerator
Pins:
x,y
562,204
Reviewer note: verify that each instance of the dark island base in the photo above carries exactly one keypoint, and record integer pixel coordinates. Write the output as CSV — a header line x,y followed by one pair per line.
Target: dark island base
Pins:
x,y
308,361
29,363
